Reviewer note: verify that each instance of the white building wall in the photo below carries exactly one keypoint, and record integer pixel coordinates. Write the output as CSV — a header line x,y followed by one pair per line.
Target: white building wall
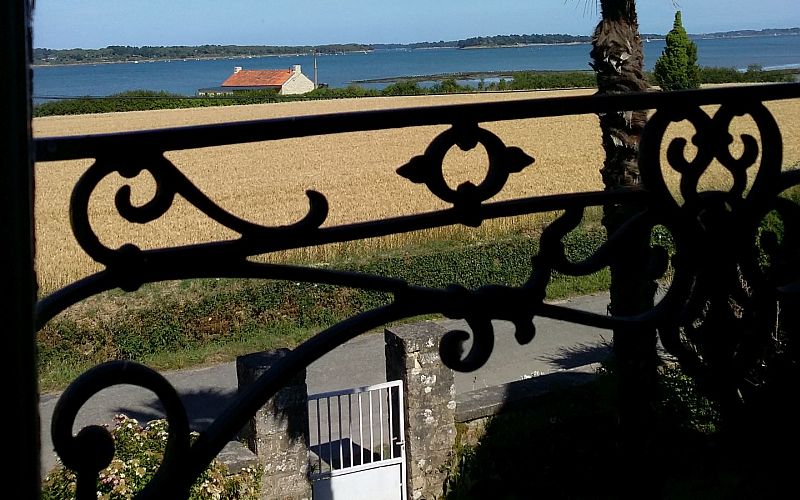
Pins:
x,y
298,83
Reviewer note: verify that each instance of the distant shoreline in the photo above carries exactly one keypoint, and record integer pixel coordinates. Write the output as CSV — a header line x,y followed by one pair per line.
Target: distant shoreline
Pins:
x,y
179,59
41,55
519,45
218,58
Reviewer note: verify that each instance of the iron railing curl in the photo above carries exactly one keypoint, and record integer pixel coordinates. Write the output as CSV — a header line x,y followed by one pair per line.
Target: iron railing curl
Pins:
x,y
714,234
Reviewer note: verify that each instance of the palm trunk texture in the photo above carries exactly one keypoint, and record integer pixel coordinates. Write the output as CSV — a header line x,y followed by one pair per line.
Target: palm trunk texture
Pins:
x,y
618,60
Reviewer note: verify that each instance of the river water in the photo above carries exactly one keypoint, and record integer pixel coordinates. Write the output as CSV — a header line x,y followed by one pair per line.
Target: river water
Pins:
x,y
186,76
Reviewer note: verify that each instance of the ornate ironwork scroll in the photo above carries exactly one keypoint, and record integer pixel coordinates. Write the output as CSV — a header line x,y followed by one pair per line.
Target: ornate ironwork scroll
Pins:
x,y
729,317
714,257
428,168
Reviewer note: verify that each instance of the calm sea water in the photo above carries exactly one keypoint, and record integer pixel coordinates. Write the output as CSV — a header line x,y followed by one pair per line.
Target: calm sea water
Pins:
x,y
185,77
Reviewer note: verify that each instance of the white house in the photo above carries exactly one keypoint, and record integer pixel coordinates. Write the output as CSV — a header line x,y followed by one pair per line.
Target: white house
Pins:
x,y
285,81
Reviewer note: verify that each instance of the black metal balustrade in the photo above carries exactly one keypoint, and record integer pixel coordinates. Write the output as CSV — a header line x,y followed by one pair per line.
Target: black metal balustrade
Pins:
x,y
714,235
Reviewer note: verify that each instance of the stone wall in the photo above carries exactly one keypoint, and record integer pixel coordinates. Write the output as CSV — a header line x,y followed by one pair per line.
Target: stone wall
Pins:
x,y
278,433
412,355
433,412
475,409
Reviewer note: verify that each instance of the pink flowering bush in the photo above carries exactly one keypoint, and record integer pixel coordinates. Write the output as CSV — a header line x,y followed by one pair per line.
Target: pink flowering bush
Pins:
x,y
139,451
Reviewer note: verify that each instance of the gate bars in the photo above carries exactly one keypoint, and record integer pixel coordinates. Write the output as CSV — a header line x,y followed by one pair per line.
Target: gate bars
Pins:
x,y
378,405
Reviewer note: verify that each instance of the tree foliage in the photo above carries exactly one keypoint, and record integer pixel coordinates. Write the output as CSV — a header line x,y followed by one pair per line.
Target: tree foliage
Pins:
x,y
677,68
121,53
512,40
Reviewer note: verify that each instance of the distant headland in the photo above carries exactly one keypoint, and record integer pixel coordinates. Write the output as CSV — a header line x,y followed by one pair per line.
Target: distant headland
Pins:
x,y
124,53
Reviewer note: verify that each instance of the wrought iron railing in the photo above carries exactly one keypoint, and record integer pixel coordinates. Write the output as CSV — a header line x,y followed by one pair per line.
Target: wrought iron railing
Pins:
x,y
714,236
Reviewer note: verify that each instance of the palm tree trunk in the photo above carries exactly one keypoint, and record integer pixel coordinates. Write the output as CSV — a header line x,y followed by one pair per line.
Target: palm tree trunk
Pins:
x,y
618,60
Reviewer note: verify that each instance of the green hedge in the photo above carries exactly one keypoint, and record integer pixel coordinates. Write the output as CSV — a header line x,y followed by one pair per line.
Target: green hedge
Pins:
x,y
139,100
232,310
205,312
754,74
553,80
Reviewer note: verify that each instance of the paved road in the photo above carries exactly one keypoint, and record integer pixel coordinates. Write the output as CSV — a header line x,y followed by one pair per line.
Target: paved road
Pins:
x,y
360,362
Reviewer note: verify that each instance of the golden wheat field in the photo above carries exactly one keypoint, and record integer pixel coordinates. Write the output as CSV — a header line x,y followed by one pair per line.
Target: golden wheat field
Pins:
x,y
265,182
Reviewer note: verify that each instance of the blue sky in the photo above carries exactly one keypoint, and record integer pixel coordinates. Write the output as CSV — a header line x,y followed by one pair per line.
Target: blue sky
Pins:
x,y
98,23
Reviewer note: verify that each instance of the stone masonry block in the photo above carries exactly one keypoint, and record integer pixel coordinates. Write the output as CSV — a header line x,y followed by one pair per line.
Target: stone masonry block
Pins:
x,y
281,445
284,487
412,355
278,432
421,337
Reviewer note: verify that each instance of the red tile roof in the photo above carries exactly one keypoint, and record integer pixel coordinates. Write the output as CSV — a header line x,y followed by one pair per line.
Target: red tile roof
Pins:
x,y
258,78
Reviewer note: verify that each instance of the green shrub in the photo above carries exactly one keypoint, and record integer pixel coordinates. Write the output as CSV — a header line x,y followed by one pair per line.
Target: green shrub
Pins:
x,y
553,80
720,75
449,86
682,403
141,100
341,93
138,454
404,87
135,100
677,69
754,74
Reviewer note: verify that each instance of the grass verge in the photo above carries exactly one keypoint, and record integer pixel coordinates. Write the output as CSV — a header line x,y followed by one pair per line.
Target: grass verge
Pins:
x,y
181,324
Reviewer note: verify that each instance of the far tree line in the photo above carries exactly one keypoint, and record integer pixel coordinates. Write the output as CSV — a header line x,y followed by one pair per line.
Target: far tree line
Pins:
x,y
122,53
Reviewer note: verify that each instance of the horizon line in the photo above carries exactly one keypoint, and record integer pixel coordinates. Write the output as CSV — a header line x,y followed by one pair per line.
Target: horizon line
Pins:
x,y
401,43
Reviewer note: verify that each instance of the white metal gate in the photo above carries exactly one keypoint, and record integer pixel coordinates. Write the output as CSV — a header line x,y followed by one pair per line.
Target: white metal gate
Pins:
x,y
357,447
